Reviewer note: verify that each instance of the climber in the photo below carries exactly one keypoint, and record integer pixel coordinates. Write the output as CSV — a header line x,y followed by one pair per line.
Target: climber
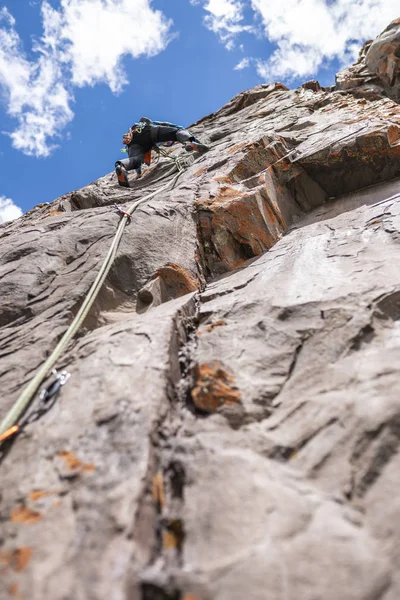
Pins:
x,y
145,134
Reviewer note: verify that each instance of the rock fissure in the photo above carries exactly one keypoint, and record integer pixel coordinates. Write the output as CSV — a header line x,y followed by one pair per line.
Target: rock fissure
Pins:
x,y
158,579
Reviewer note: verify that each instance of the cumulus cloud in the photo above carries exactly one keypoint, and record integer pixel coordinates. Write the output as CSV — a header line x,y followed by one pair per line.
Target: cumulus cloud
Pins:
x,y
243,64
225,18
8,210
309,33
34,92
129,28
72,52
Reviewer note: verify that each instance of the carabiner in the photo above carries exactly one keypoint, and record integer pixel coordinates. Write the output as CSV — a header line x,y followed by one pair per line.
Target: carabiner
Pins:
x,y
54,386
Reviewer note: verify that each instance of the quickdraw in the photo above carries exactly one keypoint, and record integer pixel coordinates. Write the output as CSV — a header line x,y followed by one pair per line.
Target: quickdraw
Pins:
x,y
122,211
54,386
10,426
47,394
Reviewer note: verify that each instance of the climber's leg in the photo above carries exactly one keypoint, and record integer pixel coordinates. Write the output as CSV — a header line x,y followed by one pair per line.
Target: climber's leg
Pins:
x,y
122,167
190,142
183,136
164,133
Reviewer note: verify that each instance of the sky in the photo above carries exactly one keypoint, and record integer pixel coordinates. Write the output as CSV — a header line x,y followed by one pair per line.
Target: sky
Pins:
x,y
75,74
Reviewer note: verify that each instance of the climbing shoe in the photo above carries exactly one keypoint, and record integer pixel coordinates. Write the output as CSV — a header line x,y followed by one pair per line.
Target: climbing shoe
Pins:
x,y
196,147
122,175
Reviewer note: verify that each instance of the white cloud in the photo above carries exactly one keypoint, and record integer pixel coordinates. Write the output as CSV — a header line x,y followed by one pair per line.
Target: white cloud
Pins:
x,y
309,33
129,28
243,64
8,210
34,92
225,18
72,52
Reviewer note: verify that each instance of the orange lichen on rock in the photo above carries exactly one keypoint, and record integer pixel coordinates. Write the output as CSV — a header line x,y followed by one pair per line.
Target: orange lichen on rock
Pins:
x,y
227,193
258,156
177,280
158,491
73,463
393,135
17,559
244,224
39,494
202,202
238,224
173,535
13,590
214,387
237,147
210,328
223,179
23,514
200,172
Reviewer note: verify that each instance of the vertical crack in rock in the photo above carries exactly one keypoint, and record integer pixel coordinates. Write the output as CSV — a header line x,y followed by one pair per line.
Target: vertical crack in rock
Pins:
x,y
165,488
372,452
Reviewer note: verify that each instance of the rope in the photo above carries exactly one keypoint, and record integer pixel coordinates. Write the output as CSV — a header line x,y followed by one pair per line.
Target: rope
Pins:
x,y
288,155
24,400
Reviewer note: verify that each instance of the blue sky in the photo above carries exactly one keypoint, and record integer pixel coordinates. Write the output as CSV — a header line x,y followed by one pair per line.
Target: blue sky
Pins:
x,y
75,74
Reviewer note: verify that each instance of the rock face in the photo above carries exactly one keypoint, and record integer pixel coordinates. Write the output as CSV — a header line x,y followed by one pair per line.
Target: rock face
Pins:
x,y
378,68
231,426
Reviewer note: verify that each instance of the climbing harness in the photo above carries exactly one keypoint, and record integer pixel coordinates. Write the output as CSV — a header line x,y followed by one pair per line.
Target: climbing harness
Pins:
x,y
9,426
181,163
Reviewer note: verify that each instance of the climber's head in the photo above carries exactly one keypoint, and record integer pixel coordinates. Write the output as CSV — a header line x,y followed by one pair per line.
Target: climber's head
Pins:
x,y
127,138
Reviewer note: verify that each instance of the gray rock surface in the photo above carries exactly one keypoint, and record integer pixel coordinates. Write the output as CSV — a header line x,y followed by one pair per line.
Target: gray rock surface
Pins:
x,y
377,71
230,429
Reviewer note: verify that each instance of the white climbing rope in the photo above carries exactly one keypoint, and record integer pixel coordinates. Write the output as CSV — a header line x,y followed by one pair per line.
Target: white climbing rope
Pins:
x,y
9,424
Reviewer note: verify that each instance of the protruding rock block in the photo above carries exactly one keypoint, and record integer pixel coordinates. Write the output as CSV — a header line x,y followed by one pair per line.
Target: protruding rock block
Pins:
x,y
377,71
313,85
383,59
214,387
168,282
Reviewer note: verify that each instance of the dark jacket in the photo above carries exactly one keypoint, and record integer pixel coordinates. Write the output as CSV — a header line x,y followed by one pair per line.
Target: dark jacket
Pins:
x,y
145,133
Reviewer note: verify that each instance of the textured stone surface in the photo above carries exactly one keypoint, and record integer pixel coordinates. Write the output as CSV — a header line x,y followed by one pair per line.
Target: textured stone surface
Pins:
x,y
231,426
377,72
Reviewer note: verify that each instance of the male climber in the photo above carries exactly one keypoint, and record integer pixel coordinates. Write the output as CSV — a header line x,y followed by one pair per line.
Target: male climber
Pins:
x,y
145,134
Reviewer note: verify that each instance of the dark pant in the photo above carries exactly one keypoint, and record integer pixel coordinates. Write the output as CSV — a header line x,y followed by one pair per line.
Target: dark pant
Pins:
x,y
159,134
134,160
163,133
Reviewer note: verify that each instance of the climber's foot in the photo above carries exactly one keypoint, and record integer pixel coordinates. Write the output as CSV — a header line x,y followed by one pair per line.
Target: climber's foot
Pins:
x,y
196,147
122,176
